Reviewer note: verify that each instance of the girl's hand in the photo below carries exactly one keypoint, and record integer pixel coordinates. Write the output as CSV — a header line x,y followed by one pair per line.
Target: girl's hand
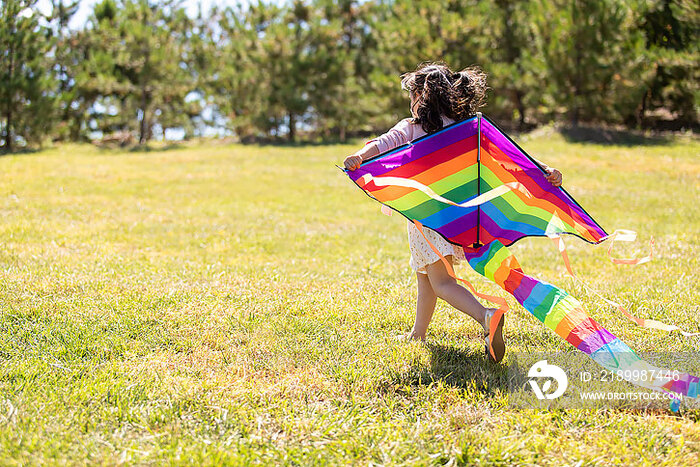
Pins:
x,y
554,176
352,162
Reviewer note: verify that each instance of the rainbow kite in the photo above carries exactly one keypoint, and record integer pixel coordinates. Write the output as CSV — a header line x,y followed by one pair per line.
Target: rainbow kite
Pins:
x,y
478,189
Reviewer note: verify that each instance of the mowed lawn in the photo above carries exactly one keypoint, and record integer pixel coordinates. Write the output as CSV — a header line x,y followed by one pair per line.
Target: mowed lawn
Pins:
x,y
230,304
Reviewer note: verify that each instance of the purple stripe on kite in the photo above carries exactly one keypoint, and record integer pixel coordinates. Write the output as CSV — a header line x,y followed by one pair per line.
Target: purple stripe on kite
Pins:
x,y
680,386
386,163
508,148
596,340
458,225
686,377
481,254
524,290
506,236
424,147
689,383
447,215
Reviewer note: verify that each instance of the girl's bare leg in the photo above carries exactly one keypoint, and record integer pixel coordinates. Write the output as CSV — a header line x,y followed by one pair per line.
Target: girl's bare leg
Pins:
x,y
447,288
425,307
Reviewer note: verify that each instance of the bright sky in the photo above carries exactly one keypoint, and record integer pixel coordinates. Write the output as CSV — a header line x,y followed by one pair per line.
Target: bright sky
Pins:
x,y
85,9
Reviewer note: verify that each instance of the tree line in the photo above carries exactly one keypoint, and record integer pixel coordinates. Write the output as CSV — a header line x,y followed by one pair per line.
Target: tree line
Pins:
x,y
323,69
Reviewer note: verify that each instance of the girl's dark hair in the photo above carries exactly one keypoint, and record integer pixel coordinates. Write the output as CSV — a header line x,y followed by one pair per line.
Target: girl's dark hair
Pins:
x,y
441,92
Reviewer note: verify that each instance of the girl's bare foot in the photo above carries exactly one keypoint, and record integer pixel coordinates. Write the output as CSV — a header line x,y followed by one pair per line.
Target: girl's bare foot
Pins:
x,y
409,337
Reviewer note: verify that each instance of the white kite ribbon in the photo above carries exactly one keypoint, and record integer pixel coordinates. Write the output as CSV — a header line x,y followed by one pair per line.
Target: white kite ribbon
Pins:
x,y
642,322
628,236
408,183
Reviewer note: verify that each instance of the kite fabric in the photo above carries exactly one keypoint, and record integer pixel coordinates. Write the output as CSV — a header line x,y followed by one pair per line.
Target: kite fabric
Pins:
x,y
478,189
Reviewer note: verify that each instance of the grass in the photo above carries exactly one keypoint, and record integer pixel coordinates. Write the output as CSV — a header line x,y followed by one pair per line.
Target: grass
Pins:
x,y
237,305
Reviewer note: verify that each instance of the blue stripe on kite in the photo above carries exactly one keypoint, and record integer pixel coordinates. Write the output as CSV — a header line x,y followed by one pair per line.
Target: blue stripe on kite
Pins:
x,y
537,295
605,355
613,353
452,214
505,223
480,266
485,253
447,214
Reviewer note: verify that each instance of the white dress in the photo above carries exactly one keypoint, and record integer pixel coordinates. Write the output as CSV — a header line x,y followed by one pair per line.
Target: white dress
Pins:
x,y
421,253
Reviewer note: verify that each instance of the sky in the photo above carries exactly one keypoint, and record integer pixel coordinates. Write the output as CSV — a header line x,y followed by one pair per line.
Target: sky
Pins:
x,y
85,8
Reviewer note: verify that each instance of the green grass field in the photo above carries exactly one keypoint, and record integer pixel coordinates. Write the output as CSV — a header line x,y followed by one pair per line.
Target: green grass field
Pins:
x,y
227,304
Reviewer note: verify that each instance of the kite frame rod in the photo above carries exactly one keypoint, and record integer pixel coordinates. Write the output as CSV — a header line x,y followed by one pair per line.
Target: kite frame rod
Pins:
x,y
477,244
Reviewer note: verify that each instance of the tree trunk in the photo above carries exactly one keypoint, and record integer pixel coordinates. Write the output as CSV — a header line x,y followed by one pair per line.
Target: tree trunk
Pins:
x,y
518,95
577,70
8,131
641,112
575,112
143,125
292,127
74,132
8,116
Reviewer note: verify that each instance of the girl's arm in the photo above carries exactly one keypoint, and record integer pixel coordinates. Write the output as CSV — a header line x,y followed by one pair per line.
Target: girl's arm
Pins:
x,y
354,161
400,134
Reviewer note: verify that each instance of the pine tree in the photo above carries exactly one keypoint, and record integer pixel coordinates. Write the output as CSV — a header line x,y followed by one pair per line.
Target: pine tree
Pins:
x,y
26,81
672,28
592,50
515,68
233,77
65,53
138,64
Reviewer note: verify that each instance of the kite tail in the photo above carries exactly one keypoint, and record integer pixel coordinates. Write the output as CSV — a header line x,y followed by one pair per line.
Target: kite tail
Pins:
x,y
565,315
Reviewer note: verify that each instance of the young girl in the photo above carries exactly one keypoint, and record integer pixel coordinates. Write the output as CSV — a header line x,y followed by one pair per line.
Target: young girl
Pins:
x,y
439,97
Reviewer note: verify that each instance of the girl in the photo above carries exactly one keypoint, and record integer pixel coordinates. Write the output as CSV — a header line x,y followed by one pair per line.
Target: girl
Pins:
x,y
439,97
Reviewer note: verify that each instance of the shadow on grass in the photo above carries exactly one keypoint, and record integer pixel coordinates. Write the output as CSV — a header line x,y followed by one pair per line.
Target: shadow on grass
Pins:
x,y
149,148
133,149
458,368
19,152
302,143
613,137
